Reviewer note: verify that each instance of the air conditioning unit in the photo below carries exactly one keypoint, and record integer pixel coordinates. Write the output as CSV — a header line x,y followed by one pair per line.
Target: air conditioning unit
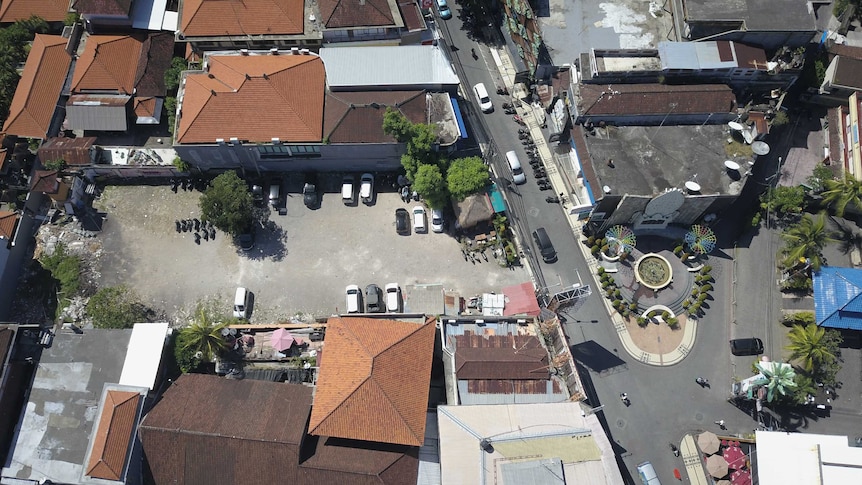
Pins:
x,y
243,52
294,50
274,51
220,141
276,141
304,51
234,140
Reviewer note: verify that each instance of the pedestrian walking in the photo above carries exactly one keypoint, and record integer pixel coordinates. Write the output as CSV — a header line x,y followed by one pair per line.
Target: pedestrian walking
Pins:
x,y
720,423
702,382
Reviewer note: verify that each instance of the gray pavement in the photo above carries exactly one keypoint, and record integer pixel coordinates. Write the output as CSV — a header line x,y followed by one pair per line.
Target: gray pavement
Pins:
x,y
302,267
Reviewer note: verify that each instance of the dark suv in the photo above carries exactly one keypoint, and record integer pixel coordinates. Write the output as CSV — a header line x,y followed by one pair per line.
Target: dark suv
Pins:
x,y
373,303
746,346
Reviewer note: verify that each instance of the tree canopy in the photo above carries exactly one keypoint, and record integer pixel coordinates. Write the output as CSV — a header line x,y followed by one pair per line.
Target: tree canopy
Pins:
x,y
466,176
228,204
116,307
843,194
430,183
173,73
806,240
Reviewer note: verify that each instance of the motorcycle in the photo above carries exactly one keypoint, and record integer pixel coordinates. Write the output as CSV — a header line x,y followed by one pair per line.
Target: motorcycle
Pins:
x,y
509,111
507,105
552,200
473,52
519,120
524,136
523,130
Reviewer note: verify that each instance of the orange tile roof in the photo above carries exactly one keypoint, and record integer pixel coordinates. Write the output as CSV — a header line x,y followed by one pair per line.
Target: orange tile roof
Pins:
x,y
374,380
39,88
50,10
353,13
108,63
111,441
274,96
242,17
145,106
8,219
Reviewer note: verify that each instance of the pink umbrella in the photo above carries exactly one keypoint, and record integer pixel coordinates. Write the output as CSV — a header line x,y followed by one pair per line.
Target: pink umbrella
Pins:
x,y
740,477
281,340
735,457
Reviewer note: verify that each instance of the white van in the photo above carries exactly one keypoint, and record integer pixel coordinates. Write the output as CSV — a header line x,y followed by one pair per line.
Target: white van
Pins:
x,y
419,224
484,100
240,303
515,164
648,474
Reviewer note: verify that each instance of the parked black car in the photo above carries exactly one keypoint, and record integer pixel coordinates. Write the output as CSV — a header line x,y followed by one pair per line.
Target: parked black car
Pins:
x,y
746,346
402,221
309,196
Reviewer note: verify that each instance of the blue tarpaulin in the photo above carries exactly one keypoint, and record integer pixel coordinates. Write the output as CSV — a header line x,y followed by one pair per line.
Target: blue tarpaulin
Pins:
x,y
461,127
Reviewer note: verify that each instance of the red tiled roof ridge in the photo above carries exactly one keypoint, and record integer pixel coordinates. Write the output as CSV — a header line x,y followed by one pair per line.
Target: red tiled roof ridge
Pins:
x,y
108,456
255,18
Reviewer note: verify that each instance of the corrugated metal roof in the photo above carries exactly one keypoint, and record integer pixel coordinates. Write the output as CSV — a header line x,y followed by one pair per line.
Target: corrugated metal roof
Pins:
x,y
551,394
837,303
98,113
692,55
376,66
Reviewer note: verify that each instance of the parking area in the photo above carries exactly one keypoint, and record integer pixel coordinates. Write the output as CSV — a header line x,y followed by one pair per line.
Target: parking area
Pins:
x,y
300,264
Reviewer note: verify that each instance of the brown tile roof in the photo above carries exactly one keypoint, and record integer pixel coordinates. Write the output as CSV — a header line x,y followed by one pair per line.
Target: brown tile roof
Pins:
x,y
39,88
8,221
45,181
211,430
500,357
75,151
103,7
848,72
355,13
374,380
352,117
114,435
156,54
108,63
4,157
844,50
759,120
242,17
275,96
652,99
750,57
412,16
50,10
145,107
343,462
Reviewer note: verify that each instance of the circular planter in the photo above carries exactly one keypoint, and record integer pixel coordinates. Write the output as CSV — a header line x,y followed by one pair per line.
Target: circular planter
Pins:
x,y
653,271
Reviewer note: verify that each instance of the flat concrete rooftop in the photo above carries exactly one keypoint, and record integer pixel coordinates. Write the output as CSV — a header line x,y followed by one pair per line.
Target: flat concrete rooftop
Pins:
x,y
648,160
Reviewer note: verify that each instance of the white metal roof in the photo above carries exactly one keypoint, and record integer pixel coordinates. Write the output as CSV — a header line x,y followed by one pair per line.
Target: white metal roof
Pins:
x,y
693,55
817,459
394,66
144,355
548,430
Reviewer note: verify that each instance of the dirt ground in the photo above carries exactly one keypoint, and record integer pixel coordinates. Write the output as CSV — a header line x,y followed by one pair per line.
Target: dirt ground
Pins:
x,y
300,267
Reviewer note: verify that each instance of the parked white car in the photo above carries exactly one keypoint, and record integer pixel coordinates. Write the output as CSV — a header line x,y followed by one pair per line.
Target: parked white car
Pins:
x,y
437,220
366,187
354,299
240,303
393,298
419,224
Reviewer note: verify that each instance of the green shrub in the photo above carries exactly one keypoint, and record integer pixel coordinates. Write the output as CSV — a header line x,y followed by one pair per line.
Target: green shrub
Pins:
x,y
601,270
706,269
686,303
116,307
617,292
672,322
678,250
642,322
591,240
694,292
702,297
595,249
706,288
65,268
605,249
665,315
798,318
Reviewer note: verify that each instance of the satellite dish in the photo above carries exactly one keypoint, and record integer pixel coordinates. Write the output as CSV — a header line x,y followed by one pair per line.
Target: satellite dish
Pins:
x,y
747,136
692,186
606,189
731,165
760,148
225,332
735,125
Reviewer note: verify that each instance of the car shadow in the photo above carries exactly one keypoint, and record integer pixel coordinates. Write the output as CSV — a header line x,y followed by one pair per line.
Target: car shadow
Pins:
x,y
270,243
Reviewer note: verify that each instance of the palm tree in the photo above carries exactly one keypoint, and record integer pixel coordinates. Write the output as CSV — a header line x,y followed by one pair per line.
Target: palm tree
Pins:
x,y
839,194
805,240
780,378
203,337
808,344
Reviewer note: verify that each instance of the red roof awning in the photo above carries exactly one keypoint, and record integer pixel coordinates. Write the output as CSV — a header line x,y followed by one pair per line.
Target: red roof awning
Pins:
x,y
521,300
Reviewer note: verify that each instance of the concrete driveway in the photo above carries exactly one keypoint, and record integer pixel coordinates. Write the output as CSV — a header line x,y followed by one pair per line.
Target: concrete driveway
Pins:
x,y
300,264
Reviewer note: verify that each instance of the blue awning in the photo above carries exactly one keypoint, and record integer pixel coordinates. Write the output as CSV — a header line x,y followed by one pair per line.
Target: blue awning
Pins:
x,y
461,127
497,201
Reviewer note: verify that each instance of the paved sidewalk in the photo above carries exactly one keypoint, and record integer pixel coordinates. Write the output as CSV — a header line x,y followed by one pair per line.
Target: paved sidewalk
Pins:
x,y
693,462
533,121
